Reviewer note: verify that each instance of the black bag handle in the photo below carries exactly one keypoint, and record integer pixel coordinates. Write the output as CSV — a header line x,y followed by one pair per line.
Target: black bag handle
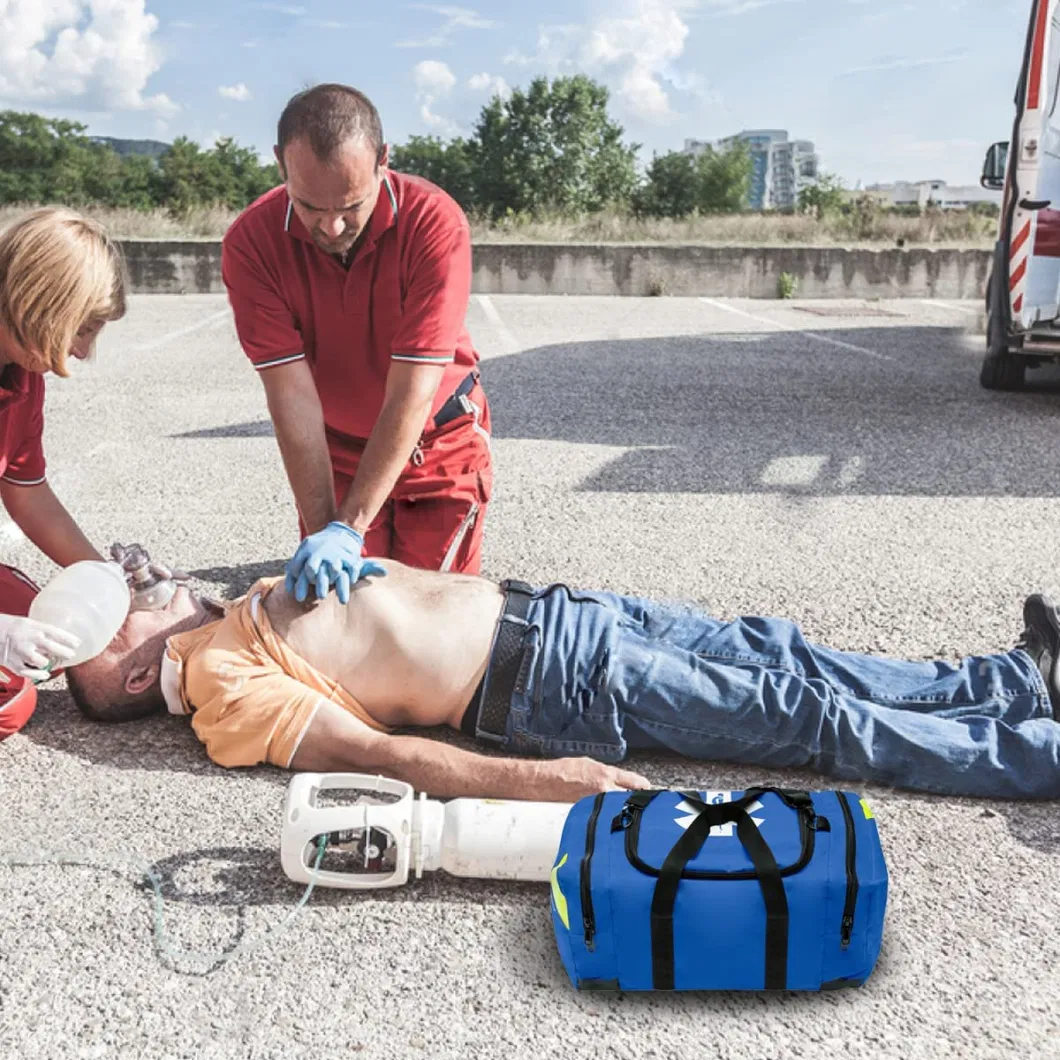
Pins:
x,y
766,869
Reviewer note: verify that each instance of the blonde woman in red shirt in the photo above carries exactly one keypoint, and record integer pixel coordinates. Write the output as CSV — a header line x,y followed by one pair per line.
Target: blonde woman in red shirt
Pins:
x,y
61,281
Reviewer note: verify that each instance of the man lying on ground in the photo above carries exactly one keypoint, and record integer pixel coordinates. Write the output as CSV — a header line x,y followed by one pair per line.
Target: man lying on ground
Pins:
x,y
576,678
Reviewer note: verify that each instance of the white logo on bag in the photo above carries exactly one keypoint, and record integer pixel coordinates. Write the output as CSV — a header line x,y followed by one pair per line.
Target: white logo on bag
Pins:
x,y
714,798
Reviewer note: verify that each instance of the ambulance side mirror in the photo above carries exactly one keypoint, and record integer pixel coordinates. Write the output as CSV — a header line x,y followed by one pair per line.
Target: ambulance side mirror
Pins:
x,y
994,165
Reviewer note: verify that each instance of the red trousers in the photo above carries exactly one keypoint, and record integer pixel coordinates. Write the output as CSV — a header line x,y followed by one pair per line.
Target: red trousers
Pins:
x,y
18,696
435,516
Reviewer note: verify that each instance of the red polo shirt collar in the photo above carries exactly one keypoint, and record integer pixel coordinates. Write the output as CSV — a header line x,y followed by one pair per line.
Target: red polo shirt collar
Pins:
x,y
384,217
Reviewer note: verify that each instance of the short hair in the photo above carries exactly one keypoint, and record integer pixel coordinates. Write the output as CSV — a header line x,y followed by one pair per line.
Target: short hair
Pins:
x,y
96,707
58,272
328,116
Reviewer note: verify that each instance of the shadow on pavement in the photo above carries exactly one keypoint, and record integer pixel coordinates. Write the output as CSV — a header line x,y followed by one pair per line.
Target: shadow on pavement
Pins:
x,y
235,581
778,412
786,414
1035,825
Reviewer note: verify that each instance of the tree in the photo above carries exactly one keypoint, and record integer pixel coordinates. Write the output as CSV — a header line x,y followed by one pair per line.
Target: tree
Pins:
x,y
678,184
670,188
448,165
226,174
824,196
552,147
723,179
44,160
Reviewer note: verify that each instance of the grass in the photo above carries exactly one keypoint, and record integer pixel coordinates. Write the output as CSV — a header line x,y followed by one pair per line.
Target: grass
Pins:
x,y
864,227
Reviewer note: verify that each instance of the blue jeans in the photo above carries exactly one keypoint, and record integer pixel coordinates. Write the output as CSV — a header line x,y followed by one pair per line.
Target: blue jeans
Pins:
x,y
610,674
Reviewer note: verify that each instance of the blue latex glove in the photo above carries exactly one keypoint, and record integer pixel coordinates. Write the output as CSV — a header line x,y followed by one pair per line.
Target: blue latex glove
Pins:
x,y
330,557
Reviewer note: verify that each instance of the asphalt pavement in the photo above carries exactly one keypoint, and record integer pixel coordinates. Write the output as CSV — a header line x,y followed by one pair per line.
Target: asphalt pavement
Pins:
x,y
835,463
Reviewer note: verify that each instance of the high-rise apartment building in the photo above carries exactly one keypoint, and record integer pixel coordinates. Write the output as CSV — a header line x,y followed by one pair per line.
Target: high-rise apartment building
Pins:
x,y
780,167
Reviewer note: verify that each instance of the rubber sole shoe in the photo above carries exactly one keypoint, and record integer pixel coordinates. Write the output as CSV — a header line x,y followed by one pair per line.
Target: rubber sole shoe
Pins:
x,y
1041,641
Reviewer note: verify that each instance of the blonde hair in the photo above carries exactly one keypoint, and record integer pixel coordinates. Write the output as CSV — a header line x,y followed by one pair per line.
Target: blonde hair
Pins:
x,y
59,271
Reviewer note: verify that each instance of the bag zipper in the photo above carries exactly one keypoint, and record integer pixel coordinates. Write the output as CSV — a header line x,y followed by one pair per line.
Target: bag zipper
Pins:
x,y
846,928
588,916
630,823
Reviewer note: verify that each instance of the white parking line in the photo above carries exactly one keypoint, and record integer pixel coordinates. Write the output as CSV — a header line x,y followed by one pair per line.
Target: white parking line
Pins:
x,y
508,340
204,323
773,325
950,305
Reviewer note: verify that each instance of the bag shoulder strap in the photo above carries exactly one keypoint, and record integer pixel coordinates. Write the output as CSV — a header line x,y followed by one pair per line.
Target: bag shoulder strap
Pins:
x,y
766,869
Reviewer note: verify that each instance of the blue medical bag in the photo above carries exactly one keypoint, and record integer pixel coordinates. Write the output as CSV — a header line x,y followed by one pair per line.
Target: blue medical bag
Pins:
x,y
768,889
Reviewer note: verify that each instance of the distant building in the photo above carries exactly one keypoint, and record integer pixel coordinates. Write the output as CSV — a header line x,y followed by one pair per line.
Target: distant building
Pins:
x,y
930,192
780,167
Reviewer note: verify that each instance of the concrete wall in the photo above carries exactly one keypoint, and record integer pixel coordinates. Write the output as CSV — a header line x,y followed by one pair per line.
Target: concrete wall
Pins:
x,y
164,267
158,266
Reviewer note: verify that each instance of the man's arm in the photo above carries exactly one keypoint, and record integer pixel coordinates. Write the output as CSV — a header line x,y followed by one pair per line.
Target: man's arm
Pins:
x,y
298,419
42,518
337,741
410,390
433,310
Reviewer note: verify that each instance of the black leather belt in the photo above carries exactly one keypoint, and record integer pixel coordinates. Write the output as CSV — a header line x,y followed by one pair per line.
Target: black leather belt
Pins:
x,y
486,717
457,403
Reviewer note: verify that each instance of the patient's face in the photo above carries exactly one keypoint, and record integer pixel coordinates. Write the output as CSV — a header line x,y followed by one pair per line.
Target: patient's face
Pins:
x,y
138,646
141,626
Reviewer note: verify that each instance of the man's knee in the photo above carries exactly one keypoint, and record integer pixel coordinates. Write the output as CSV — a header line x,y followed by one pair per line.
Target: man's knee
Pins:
x,y
18,700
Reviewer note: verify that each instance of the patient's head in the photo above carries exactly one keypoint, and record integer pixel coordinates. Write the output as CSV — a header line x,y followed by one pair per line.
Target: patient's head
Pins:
x,y
122,683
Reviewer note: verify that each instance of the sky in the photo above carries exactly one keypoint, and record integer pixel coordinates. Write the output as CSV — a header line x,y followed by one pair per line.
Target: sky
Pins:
x,y
888,90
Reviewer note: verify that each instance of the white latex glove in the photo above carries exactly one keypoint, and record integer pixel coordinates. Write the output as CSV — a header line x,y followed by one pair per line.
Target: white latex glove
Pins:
x,y
28,648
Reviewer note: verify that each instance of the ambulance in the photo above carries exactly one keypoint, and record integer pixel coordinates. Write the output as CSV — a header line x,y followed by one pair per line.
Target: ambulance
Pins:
x,y
1023,293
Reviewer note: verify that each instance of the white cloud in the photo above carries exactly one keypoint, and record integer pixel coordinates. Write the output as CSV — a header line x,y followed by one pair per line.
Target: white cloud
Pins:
x,y
741,7
463,17
434,79
240,93
905,63
633,49
455,18
490,84
85,54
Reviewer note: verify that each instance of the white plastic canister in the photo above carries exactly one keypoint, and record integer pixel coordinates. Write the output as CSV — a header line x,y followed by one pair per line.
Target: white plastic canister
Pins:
x,y
89,599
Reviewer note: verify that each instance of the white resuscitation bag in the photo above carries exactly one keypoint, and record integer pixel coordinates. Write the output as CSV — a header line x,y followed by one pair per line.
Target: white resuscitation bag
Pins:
x,y
376,838
89,599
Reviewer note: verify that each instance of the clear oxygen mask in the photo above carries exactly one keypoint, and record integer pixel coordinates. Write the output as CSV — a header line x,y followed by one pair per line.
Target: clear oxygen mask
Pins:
x,y
151,584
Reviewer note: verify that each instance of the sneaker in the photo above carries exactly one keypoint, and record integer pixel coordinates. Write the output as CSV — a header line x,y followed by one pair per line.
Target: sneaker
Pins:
x,y
1041,641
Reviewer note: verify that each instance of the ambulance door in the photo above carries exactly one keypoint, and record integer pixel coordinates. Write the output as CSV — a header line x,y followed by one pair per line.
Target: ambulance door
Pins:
x,y
1033,196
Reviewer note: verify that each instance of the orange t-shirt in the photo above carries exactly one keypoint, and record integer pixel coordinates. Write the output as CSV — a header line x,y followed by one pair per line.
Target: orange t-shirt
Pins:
x,y
250,696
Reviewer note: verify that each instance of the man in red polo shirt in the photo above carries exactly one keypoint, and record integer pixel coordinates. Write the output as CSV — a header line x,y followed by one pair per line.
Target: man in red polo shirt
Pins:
x,y
349,286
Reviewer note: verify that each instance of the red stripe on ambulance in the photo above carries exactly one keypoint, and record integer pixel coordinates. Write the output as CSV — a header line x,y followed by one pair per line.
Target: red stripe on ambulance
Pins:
x,y
1022,238
1017,275
1034,81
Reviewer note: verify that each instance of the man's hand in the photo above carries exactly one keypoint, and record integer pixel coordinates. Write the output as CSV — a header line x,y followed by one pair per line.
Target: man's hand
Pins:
x,y
573,778
330,557
29,648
